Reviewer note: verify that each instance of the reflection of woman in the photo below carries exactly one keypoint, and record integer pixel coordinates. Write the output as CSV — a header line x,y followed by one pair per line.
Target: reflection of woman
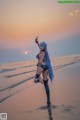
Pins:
x,y
50,113
44,67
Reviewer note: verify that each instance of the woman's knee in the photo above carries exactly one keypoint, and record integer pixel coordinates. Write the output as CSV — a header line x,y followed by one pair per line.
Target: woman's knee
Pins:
x,y
44,77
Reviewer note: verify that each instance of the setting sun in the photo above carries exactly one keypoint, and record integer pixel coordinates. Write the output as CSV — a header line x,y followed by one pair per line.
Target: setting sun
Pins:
x,y
25,52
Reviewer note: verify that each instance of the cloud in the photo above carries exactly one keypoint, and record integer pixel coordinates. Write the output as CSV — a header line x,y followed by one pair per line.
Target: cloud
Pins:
x,y
75,13
71,14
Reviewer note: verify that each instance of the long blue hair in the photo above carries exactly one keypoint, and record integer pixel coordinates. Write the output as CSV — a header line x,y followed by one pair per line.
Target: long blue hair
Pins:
x,y
47,61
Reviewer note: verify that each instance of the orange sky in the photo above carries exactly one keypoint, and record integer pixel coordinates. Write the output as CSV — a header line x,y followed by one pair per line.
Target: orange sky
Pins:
x,y
22,20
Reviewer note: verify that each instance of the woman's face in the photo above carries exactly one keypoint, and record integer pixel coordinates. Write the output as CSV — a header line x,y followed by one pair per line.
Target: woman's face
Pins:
x,y
41,48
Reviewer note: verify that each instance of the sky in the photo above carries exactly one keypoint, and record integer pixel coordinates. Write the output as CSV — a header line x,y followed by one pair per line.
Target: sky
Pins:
x,y
22,20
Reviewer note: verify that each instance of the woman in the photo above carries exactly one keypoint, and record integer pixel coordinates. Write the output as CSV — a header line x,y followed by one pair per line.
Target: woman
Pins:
x,y
44,67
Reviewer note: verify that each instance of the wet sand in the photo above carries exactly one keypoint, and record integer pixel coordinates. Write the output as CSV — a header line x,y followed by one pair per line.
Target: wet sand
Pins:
x,y
22,99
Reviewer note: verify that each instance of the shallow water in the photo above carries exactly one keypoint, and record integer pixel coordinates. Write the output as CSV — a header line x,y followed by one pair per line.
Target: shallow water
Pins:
x,y
24,100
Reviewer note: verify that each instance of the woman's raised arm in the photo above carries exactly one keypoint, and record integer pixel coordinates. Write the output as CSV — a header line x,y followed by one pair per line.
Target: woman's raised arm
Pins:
x,y
36,41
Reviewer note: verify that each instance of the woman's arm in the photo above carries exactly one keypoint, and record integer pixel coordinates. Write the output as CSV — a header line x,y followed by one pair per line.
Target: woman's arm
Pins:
x,y
36,41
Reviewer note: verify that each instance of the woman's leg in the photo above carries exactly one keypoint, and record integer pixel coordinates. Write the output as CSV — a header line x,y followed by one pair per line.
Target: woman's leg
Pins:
x,y
39,70
38,73
45,74
45,80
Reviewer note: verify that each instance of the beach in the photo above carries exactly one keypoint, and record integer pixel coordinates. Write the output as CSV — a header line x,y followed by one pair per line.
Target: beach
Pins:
x,y
22,99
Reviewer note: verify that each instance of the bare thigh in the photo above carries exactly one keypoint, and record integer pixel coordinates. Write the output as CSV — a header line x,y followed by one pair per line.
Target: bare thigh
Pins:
x,y
45,74
39,70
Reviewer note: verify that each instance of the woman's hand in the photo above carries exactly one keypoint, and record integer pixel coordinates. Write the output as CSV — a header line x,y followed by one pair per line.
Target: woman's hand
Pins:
x,y
36,40
38,64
